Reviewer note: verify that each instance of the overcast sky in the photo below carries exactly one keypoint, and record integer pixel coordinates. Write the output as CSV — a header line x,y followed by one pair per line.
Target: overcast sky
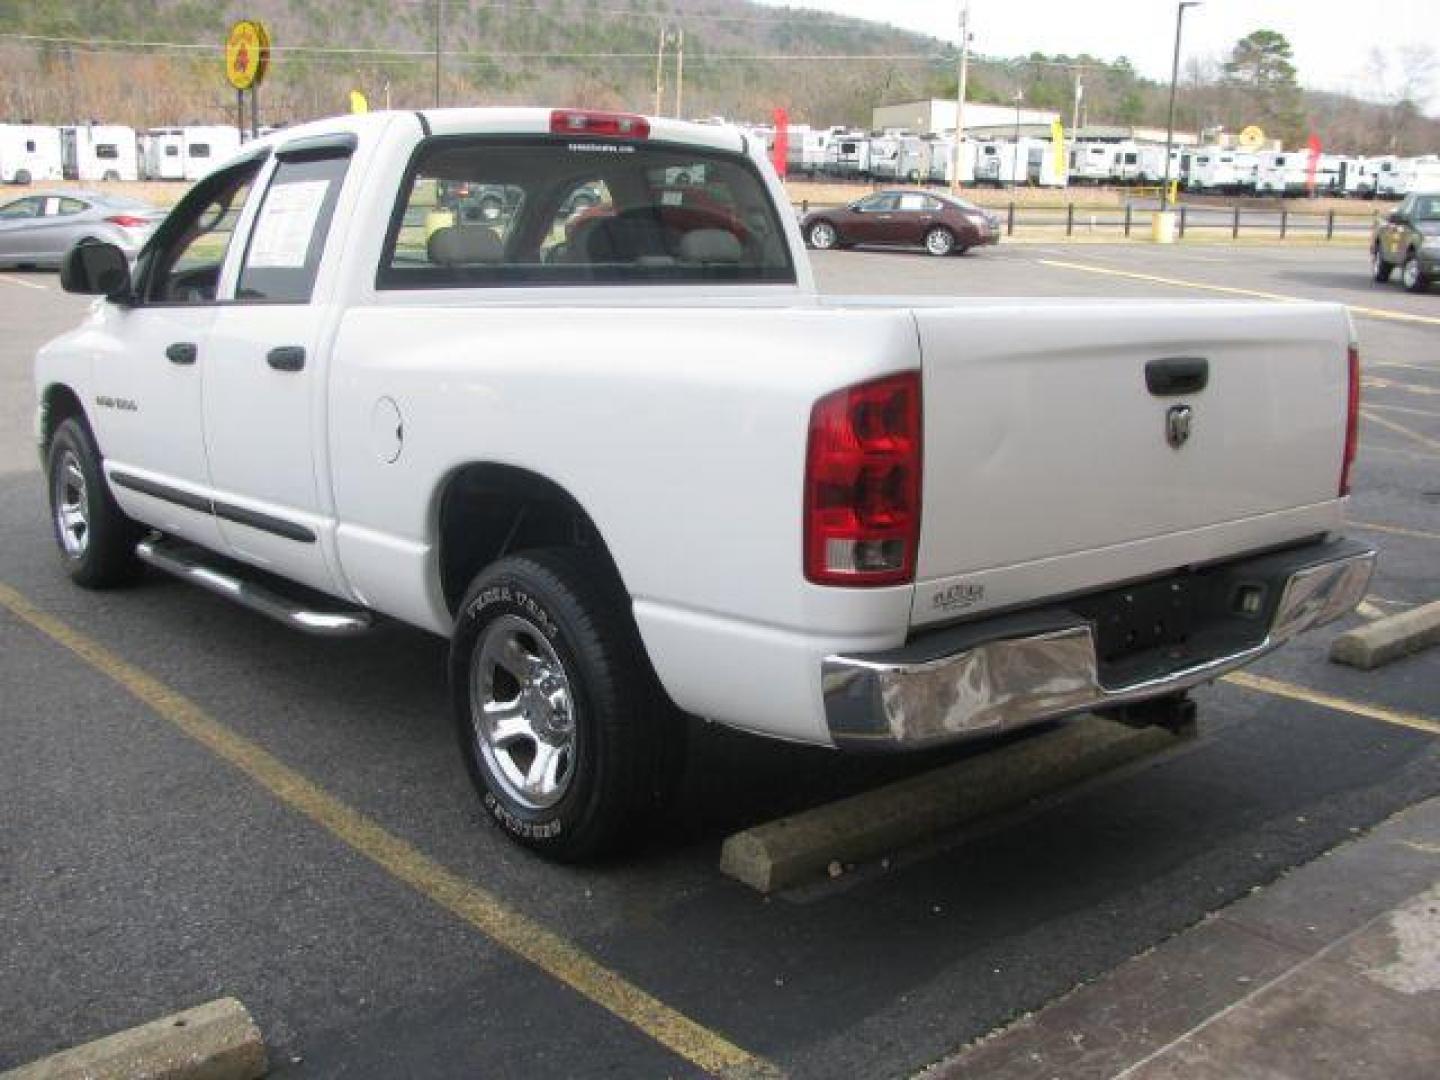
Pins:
x,y
1332,39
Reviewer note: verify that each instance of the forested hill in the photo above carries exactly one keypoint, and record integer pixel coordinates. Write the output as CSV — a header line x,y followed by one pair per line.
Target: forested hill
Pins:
x,y
146,62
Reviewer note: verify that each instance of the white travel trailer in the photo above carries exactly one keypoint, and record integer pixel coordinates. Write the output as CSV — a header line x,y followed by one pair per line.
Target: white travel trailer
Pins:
x,y
848,155
805,150
900,157
1357,177
1030,162
1409,174
1042,167
1278,172
29,153
942,161
1092,163
99,152
188,153
1216,170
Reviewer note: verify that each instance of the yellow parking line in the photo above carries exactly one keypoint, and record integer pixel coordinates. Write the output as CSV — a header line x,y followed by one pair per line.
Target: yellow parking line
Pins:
x,y
1417,534
1377,383
1181,283
513,931
23,283
1423,440
1276,688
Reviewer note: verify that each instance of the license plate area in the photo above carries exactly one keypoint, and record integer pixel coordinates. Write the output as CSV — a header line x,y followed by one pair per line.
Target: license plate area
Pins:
x,y
1144,617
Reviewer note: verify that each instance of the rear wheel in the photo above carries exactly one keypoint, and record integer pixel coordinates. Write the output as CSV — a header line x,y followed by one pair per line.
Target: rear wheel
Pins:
x,y
1379,269
568,737
822,236
939,241
1411,276
96,540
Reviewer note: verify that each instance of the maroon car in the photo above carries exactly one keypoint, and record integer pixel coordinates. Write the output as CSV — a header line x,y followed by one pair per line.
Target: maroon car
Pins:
x,y
942,224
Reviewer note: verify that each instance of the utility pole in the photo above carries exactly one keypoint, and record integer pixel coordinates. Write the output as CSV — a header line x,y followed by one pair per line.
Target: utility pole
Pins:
x,y
660,68
439,15
1015,160
957,153
1075,109
679,72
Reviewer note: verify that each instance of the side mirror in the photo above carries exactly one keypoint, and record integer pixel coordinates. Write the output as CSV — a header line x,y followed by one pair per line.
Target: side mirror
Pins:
x,y
96,269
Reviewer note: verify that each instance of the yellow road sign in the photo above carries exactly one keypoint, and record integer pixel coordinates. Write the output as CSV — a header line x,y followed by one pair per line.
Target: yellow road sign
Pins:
x,y
247,54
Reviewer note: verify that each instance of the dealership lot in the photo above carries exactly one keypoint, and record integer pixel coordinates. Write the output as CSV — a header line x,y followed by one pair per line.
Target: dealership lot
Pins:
x,y
197,803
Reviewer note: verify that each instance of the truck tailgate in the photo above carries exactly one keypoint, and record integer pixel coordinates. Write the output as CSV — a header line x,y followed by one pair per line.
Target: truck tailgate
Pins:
x,y
1043,441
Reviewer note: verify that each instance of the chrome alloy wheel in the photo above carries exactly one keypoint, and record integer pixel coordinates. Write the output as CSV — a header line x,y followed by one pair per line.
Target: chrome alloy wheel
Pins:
x,y
72,506
822,235
1410,273
939,242
523,712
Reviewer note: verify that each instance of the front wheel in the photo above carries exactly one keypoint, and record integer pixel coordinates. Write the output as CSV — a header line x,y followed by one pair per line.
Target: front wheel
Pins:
x,y
822,236
96,540
939,241
566,733
1411,276
1379,268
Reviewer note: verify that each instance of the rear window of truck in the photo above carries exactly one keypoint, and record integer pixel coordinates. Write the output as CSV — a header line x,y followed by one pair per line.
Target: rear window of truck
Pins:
x,y
476,212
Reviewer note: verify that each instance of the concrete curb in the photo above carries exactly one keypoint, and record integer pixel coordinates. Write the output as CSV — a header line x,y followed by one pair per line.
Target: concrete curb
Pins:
x,y
214,1041
793,850
1369,646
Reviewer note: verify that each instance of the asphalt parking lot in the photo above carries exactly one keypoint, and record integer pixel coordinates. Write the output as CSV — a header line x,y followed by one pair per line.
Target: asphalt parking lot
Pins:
x,y
195,803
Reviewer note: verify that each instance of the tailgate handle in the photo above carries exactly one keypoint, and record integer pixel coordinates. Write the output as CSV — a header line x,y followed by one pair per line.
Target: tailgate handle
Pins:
x,y
286,358
1172,375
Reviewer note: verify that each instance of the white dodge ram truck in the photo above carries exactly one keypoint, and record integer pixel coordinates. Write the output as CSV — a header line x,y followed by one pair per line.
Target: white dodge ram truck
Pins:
x,y
558,386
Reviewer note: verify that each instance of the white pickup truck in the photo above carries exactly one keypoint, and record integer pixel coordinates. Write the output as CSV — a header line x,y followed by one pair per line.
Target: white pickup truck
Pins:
x,y
558,386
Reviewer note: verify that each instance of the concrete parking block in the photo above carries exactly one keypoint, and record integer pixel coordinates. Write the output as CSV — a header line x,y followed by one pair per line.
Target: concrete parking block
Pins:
x,y
802,847
1369,646
214,1041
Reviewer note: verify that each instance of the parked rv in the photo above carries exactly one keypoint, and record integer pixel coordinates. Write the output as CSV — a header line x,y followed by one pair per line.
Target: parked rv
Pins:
x,y
29,153
99,152
187,153
1216,171
1092,163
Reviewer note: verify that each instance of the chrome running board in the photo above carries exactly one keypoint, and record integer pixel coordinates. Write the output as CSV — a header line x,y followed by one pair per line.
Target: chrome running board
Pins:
x,y
187,562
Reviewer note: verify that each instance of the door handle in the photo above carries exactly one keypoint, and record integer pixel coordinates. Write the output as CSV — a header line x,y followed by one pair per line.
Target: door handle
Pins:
x,y
182,352
1177,375
286,358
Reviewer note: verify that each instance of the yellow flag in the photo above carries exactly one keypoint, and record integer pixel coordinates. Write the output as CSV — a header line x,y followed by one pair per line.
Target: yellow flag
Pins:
x,y
1057,146
358,104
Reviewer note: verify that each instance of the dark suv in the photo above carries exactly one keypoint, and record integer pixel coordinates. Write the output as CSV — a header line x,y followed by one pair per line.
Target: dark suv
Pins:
x,y
1410,239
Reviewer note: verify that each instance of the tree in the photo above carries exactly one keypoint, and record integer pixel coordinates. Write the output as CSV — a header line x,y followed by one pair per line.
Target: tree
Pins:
x,y
1260,68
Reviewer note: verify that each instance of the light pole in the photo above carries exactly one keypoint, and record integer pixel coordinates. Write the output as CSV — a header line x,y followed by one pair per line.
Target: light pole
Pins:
x,y
957,152
1170,120
1015,161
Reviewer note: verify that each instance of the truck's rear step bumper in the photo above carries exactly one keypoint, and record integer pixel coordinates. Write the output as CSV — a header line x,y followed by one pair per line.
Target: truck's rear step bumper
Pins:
x,y
1002,673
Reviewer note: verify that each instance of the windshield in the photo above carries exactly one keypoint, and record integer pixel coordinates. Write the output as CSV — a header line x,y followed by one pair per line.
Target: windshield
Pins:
x,y
493,211
1427,208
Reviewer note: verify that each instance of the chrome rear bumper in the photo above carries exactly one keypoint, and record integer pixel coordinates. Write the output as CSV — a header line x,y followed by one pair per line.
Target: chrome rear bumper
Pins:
x,y
1004,673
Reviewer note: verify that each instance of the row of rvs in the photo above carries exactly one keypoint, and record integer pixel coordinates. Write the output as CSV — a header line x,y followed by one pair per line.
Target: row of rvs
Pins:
x,y
918,159
36,153
900,156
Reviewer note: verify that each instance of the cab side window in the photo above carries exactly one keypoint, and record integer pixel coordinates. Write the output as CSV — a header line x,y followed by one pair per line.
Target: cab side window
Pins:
x,y
182,266
288,238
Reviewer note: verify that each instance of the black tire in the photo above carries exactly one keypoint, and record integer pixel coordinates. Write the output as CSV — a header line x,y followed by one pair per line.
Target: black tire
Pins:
x,y
1380,270
940,241
623,742
98,547
1411,276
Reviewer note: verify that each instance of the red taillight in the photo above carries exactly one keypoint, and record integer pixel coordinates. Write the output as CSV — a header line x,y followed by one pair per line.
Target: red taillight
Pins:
x,y
615,125
862,484
1352,422
127,221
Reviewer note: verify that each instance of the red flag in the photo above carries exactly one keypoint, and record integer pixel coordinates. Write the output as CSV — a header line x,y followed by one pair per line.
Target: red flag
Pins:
x,y
1313,163
780,149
